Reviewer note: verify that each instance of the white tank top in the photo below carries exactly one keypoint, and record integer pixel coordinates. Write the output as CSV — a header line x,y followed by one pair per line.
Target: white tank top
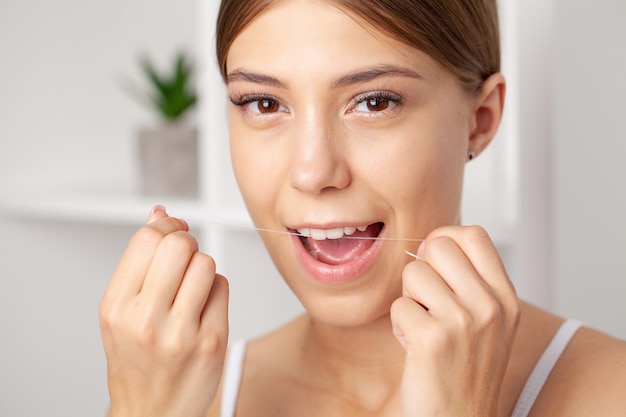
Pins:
x,y
537,379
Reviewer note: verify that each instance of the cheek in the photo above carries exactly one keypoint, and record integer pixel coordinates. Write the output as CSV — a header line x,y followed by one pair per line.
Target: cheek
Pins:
x,y
415,156
257,168
420,170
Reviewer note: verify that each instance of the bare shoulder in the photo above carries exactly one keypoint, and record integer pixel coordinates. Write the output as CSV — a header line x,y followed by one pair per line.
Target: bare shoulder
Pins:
x,y
589,379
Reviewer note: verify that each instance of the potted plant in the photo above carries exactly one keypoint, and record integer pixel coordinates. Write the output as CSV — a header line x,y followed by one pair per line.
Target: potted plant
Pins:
x,y
168,151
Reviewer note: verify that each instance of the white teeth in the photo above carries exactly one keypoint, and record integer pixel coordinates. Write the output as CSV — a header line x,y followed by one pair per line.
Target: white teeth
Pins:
x,y
305,232
349,230
334,233
318,234
337,233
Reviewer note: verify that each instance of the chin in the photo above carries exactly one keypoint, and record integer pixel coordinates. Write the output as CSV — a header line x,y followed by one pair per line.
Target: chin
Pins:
x,y
346,311
356,303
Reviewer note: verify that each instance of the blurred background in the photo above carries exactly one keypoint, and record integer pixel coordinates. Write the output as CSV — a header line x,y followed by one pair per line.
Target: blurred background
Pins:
x,y
551,190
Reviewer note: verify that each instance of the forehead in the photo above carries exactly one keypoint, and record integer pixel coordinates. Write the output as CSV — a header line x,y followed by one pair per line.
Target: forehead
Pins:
x,y
315,38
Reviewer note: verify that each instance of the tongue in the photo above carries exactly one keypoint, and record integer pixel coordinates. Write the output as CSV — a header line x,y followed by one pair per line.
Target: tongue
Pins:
x,y
346,249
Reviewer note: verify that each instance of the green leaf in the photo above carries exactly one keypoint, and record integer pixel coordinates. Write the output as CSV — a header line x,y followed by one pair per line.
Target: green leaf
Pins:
x,y
173,93
154,77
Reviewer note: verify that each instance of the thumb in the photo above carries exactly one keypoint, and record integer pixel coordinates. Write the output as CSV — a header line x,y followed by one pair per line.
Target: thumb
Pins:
x,y
157,212
396,315
399,335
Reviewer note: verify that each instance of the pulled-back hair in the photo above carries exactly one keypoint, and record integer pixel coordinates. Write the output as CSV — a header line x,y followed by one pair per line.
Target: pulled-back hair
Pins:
x,y
462,35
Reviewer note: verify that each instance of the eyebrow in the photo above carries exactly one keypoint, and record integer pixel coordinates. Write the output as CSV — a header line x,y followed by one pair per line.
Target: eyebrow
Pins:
x,y
373,73
357,77
242,75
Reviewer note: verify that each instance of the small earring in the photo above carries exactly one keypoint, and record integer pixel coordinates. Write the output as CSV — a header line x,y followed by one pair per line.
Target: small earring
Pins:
x,y
470,155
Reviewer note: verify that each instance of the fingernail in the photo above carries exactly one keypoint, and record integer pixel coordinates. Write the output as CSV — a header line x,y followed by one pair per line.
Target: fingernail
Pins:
x,y
184,223
155,209
420,250
402,341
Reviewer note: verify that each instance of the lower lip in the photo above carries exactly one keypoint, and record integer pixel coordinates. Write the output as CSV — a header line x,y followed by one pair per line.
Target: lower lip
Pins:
x,y
334,274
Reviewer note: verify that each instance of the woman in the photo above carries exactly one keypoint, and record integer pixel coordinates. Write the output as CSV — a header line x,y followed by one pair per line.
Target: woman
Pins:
x,y
350,125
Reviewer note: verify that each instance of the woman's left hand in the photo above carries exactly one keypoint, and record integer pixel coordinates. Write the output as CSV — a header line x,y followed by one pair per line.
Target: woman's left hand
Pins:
x,y
457,320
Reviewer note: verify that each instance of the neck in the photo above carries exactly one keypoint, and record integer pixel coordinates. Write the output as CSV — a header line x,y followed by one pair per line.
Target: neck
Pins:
x,y
370,343
364,362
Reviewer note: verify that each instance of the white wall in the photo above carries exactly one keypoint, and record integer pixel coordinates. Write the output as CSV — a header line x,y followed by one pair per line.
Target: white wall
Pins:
x,y
588,169
533,22
65,124
65,120
571,232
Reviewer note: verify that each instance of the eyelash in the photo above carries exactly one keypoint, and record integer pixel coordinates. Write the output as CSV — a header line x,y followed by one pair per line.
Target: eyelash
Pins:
x,y
381,95
242,100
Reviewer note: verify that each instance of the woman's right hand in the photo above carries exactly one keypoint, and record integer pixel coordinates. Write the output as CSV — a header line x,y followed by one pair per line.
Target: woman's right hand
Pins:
x,y
164,323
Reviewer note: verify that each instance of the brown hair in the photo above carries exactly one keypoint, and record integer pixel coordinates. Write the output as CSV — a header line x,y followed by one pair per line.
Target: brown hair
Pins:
x,y
462,35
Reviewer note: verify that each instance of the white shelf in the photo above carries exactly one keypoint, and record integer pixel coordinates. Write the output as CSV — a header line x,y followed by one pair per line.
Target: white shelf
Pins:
x,y
116,209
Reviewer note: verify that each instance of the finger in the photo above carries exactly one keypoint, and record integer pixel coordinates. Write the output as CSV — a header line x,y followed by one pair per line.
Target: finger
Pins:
x,y
130,273
483,255
166,271
424,285
159,212
133,266
408,318
215,312
195,288
480,251
156,213
444,255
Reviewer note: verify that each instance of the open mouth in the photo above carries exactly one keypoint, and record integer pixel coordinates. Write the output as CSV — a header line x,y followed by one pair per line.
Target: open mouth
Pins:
x,y
339,245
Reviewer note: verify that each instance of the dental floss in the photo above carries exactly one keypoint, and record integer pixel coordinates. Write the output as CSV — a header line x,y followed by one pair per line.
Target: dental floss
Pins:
x,y
412,254
236,226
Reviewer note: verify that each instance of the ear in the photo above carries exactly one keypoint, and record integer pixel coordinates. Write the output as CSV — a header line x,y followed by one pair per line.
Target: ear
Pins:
x,y
488,108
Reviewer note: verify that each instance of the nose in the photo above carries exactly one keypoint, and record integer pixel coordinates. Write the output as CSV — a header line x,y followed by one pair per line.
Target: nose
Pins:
x,y
319,160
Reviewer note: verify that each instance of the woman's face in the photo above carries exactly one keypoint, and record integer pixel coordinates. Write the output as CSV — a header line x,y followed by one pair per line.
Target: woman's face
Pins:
x,y
336,126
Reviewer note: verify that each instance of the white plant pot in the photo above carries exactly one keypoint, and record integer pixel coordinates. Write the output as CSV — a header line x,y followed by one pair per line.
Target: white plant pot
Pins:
x,y
168,157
